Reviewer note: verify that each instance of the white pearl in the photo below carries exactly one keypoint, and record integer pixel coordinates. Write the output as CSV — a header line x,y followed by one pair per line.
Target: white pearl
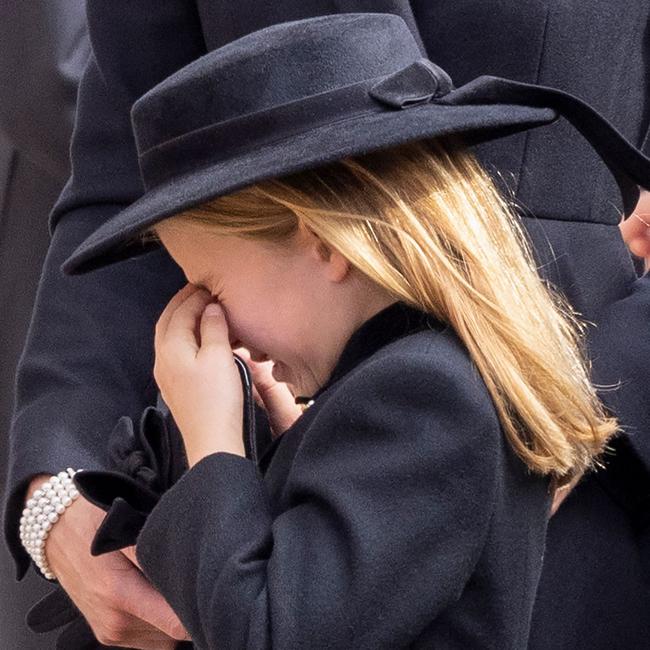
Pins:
x,y
42,510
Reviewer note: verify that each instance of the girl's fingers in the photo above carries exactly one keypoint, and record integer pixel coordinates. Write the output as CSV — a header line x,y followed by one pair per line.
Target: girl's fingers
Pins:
x,y
281,406
182,324
275,397
179,297
262,372
257,397
246,356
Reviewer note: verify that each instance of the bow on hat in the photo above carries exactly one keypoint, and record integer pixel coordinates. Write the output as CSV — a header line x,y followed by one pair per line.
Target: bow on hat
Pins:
x,y
147,460
423,81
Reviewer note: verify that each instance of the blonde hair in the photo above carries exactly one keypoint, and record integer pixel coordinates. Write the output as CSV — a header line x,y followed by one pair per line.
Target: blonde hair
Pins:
x,y
426,222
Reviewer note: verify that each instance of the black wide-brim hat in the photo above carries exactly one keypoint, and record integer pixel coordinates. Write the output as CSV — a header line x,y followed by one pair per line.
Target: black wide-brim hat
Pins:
x,y
307,92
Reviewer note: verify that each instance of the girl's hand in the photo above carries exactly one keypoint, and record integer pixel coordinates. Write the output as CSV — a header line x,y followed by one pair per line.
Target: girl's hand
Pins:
x,y
273,396
197,375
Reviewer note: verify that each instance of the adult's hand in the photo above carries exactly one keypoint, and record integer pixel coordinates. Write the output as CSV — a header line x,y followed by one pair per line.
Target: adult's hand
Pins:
x,y
636,229
115,597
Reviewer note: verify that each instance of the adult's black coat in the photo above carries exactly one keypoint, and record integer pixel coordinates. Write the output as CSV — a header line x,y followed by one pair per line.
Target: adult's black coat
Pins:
x,y
43,49
88,357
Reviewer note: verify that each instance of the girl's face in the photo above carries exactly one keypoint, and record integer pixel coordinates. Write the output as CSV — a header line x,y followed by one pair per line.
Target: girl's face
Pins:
x,y
294,303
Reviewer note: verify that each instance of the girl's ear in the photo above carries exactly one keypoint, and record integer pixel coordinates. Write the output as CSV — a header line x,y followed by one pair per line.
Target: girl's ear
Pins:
x,y
337,266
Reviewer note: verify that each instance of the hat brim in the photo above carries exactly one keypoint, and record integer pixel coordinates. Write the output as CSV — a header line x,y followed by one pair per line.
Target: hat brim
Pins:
x,y
116,239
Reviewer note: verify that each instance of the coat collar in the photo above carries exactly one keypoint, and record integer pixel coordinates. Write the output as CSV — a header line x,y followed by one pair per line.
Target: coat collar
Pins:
x,y
387,325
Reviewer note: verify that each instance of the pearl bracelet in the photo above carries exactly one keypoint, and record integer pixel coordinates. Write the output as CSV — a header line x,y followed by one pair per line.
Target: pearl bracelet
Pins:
x,y
42,511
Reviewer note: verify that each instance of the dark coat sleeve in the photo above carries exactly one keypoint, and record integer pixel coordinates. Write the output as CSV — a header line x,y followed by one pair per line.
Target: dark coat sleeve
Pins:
x,y
389,503
89,351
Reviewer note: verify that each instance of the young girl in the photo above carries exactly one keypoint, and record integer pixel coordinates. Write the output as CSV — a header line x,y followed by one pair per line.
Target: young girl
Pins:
x,y
408,504
395,293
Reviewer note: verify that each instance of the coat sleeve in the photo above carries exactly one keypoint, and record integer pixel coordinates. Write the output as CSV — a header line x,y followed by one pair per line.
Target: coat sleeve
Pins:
x,y
88,355
390,499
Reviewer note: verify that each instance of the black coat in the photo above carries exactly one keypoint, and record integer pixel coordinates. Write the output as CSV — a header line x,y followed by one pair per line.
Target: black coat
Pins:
x,y
88,358
392,514
43,47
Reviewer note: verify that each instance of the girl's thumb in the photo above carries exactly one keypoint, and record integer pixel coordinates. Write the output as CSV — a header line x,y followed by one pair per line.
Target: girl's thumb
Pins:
x,y
213,326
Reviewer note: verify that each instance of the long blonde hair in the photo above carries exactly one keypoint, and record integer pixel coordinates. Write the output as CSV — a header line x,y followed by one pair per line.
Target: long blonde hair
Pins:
x,y
426,222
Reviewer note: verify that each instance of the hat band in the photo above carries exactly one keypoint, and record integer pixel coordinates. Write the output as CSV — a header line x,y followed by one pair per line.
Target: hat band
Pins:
x,y
222,141
420,82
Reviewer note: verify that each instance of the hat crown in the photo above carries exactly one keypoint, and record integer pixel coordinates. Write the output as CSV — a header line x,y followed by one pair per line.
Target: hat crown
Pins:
x,y
274,66
300,94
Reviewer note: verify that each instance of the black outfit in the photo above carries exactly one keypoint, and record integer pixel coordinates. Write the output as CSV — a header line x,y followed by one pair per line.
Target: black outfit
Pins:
x,y
392,514
43,48
398,474
88,357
